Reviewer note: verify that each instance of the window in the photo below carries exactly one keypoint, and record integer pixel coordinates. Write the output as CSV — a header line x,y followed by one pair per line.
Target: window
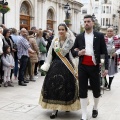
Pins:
x,y
103,21
106,21
103,9
24,8
107,9
96,9
50,15
84,11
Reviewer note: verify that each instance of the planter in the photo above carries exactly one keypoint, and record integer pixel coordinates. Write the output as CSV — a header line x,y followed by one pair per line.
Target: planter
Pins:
x,y
67,21
4,9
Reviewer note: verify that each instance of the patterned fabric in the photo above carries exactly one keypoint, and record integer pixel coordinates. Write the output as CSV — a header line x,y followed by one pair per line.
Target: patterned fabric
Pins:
x,y
116,41
22,47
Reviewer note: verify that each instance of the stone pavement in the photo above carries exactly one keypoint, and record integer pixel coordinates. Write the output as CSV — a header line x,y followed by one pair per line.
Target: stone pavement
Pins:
x,y
21,103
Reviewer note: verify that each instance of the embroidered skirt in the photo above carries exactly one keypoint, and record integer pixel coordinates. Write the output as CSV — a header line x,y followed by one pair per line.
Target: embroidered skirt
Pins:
x,y
60,89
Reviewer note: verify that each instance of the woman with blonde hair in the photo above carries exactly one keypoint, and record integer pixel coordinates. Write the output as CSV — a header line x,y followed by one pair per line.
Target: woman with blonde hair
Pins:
x,y
33,57
40,40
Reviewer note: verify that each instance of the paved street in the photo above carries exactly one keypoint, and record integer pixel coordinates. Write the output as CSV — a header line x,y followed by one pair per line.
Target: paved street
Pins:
x,y
21,103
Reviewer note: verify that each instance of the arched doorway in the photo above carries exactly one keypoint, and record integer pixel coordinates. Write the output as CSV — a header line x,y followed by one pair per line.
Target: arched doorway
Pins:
x,y
25,15
50,19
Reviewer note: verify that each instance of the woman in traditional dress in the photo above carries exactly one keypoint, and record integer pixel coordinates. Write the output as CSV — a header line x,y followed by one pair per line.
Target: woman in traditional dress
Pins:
x,y
112,43
60,89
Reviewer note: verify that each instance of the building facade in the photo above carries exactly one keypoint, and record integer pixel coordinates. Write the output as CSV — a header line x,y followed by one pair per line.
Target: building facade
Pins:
x,y
105,11
45,14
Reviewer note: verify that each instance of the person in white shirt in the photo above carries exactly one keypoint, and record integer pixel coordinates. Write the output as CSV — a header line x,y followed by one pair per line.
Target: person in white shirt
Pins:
x,y
90,45
8,64
1,51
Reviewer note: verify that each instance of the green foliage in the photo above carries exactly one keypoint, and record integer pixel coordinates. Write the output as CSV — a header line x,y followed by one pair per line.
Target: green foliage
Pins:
x,y
4,9
81,29
67,21
96,26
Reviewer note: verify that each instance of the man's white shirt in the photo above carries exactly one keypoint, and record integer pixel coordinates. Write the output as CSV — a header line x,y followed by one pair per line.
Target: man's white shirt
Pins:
x,y
89,45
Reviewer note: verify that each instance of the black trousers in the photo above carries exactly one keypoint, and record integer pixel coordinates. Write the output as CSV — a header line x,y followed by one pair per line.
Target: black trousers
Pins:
x,y
23,64
91,73
1,71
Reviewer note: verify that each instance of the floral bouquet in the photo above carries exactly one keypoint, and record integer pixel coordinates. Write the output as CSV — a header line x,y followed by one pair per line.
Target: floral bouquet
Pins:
x,y
102,70
102,66
57,46
112,51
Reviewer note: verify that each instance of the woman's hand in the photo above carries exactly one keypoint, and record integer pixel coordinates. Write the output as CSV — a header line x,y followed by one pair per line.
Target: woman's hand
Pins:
x,y
14,50
81,52
114,54
104,73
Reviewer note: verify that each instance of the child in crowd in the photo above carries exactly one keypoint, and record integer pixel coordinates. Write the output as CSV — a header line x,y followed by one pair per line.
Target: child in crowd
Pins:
x,y
8,64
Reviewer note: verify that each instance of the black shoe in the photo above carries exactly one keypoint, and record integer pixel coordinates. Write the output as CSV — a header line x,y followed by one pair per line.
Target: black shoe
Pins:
x,y
54,115
26,81
22,83
35,73
94,113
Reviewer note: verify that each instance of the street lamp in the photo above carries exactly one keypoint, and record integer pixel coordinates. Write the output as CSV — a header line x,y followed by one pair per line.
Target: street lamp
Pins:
x,y
2,2
67,10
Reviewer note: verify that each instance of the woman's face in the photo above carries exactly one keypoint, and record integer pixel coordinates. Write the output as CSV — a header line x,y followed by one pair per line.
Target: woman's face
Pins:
x,y
62,31
8,50
8,34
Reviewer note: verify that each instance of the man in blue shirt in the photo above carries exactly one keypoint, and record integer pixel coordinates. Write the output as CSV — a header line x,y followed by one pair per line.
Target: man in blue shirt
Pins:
x,y
23,48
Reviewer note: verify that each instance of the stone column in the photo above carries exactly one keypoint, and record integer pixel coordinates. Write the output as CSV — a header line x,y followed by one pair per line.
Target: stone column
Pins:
x,y
43,15
58,14
17,15
78,22
35,13
39,18
73,20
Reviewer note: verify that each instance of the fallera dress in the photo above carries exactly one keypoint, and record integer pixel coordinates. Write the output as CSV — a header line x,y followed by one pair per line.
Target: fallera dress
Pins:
x,y
60,88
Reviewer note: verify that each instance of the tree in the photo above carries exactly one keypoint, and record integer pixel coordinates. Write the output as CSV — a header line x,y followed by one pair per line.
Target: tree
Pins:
x,y
81,29
96,26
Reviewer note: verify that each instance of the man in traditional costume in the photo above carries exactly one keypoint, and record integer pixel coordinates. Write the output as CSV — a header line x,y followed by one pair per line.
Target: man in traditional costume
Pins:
x,y
91,45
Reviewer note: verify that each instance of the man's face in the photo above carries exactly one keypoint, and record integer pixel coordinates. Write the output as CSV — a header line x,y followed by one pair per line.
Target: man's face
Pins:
x,y
34,30
24,33
88,23
110,32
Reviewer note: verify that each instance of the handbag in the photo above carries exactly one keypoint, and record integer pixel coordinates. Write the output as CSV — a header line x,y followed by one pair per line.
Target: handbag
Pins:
x,y
14,46
42,48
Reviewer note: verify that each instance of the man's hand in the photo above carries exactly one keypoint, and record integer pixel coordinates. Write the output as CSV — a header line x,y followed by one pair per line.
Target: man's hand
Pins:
x,y
33,51
76,49
114,54
81,52
104,73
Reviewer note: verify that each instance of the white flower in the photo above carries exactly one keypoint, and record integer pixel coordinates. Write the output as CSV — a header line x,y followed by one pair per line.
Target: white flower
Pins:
x,y
113,47
102,60
56,45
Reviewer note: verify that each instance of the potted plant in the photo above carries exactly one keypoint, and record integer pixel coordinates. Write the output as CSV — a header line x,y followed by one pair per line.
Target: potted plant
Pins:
x,y
4,9
67,21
